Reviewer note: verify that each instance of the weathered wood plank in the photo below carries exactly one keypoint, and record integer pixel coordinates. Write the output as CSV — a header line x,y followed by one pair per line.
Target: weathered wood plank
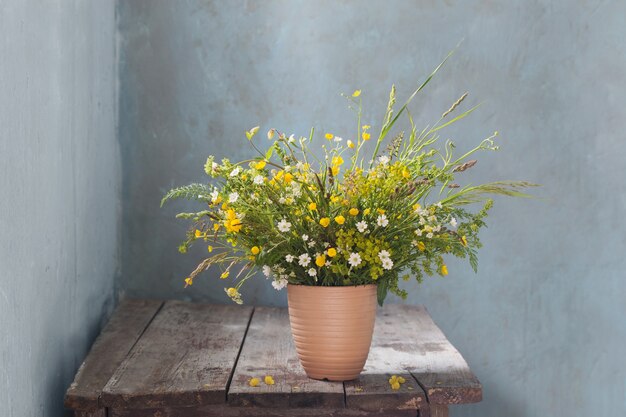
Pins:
x,y
101,412
184,358
126,325
407,338
372,392
434,410
229,411
269,350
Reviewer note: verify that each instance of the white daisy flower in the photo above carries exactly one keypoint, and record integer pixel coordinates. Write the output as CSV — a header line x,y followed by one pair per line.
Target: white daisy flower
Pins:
x,y
214,196
429,235
235,172
305,237
233,197
327,264
282,200
418,232
304,259
361,226
326,244
354,260
453,222
279,284
337,139
289,258
267,271
311,244
387,264
284,226
382,220
383,254
312,272
258,180
300,166
383,160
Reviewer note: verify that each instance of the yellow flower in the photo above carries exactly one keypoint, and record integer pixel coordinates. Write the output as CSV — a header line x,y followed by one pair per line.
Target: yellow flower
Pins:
x,y
335,170
324,221
366,136
444,270
337,160
209,248
353,211
356,93
232,292
334,199
366,211
340,219
421,246
406,174
320,261
225,275
366,127
464,241
350,144
216,227
393,379
254,382
269,380
255,250
395,385
329,136
188,282
380,211
332,252
260,165
232,223
416,206
401,380
312,206
198,234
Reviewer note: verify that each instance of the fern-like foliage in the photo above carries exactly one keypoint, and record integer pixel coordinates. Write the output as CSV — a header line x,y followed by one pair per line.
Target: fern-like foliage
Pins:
x,y
199,192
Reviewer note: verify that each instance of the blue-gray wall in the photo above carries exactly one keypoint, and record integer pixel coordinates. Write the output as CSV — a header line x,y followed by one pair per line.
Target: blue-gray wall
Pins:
x,y
543,324
59,195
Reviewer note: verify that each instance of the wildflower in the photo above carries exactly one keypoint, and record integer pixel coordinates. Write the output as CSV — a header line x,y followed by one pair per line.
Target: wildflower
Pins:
x,y
361,226
233,197
350,144
453,222
320,260
421,246
267,271
387,264
289,258
254,382
439,205
311,243
279,284
444,270
383,254
269,380
255,250
383,160
198,234
258,180
337,139
429,235
366,211
216,227
312,272
225,274
356,93
464,241
188,281
284,226
353,211
331,252
209,248
260,165
235,172
416,207
271,133
354,260
380,211
305,237
324,221
340,219
234,295
366,136
312,206
232,223
329,136
337,160
304,259
382,221
215,195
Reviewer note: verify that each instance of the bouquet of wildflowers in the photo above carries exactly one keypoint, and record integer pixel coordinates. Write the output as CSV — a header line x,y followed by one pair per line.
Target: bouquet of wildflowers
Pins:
x,y
347,218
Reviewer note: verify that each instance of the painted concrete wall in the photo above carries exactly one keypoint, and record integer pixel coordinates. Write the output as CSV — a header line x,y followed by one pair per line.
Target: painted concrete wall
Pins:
x,y
543,322
59,195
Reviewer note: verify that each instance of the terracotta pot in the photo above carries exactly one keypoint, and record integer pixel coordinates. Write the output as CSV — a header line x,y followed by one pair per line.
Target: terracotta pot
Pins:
x,y
332,328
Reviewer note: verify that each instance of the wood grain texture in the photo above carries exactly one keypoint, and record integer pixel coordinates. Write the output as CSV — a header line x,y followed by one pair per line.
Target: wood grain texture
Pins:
x,y
184,358
126,325
101,412
406,338
434,410
229,411
372,392
269,350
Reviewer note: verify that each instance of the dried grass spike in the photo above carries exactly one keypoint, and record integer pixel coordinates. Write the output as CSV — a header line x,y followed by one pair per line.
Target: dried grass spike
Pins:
x,y
455,105
465,166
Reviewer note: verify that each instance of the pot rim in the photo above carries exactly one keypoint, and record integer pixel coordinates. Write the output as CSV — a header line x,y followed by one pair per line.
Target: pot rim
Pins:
x,y
331,286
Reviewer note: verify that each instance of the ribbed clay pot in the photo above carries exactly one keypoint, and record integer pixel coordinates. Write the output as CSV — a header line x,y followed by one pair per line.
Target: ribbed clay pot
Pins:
x,y
332,328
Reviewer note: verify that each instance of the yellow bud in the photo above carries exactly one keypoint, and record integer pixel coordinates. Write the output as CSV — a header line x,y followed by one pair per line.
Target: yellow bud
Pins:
x,y
335,170
367,211
320,261
421,246
444,270
312,206
340,219
255,250
198,233
254,382
350,144
464,241
216,227
416,206
395,386
353,211
209,249
329,136
188,282
269,380
225,275
366,136
324,221
356,93
332,252
380,211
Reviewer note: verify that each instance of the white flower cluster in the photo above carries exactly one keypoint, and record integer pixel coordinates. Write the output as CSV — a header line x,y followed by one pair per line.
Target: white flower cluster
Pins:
x,y
385,258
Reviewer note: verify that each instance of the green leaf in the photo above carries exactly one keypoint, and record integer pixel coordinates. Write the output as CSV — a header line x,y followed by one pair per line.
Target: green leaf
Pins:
x,y
190,192
269,152
381,292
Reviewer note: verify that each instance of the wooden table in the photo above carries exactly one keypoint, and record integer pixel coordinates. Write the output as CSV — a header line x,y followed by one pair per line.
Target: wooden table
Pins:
x,y
178,359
